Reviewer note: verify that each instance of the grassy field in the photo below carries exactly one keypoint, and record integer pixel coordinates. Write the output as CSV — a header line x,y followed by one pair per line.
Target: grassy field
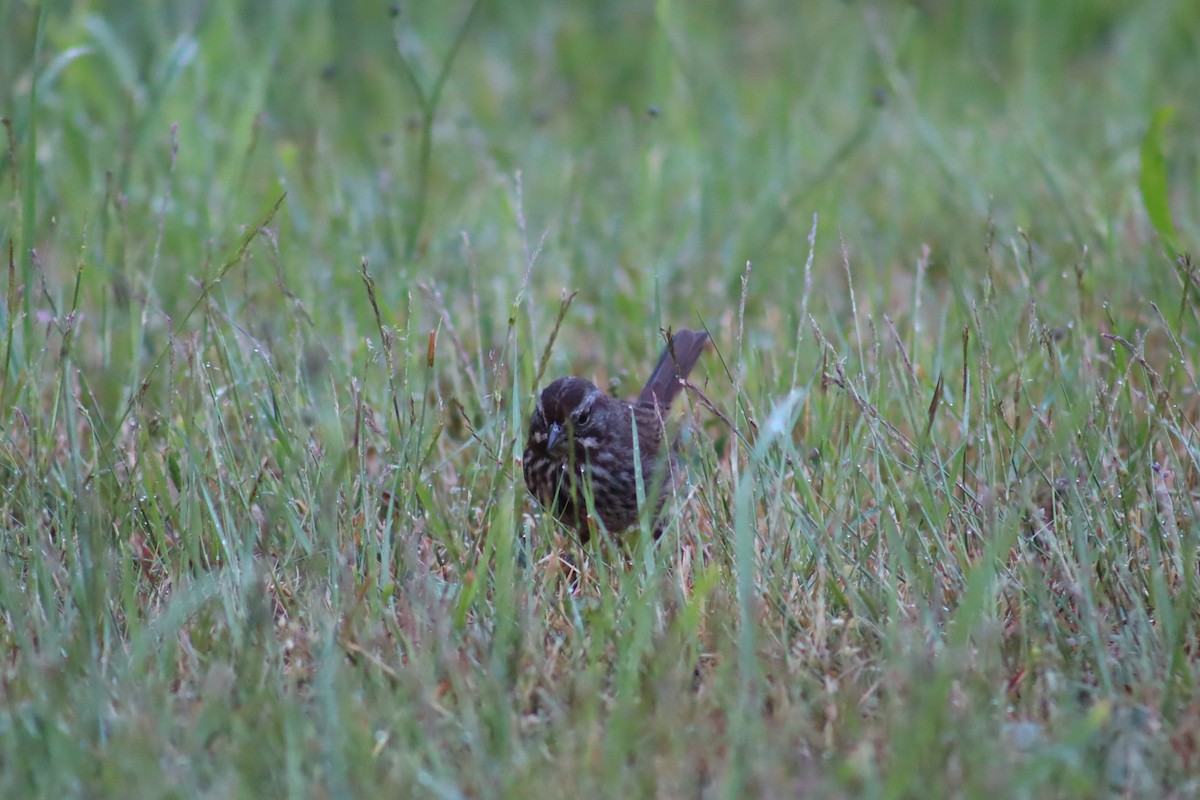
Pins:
x,y
281,277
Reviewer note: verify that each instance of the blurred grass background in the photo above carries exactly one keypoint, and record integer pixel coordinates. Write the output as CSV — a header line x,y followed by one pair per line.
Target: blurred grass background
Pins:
x,y
280,277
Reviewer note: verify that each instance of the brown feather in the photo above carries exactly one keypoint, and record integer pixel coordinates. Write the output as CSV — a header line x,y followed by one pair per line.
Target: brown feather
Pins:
x,y
673,366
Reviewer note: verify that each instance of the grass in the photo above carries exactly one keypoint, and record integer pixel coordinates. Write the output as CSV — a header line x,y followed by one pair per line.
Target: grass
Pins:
x,y
280,280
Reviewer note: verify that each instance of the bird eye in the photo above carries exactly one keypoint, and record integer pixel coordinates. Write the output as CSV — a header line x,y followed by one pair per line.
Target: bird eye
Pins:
x,y
583,418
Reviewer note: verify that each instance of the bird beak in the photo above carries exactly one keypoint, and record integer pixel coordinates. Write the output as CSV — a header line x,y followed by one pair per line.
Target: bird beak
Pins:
x,y
554,435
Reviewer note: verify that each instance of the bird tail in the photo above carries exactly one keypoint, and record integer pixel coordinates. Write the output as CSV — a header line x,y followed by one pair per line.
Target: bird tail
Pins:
x,y
682,351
